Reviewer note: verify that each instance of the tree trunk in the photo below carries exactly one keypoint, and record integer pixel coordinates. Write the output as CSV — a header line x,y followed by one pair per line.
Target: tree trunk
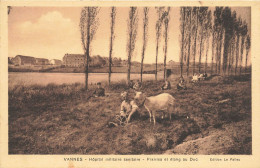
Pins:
x,y
87,51
157,48
165,49
142,62
201,40
232,59
128,69
145,23
195,45
241,55
225,53
212,56
220,50
110,57
229,58
111,45
246,60
188,58
164,64
237,53
217,53
86,71
232,55
86,68
182,41
206,61
110,69
130,50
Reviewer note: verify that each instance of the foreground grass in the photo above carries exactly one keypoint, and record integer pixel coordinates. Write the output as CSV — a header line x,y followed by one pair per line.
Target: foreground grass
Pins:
x,y
66,120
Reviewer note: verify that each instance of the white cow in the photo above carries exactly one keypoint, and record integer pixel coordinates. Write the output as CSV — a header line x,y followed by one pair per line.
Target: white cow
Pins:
x,y
195,78
163,102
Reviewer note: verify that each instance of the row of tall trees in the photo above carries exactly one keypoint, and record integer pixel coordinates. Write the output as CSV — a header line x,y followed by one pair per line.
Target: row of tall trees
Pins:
x,y
162,23
195,28
89,25
231,33
227,33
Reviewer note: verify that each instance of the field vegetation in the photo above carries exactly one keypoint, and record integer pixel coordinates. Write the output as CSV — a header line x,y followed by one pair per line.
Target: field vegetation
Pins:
x,y
210,117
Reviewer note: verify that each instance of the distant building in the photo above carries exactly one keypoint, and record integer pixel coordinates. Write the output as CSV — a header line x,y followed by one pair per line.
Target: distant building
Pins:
x,y
55,62
23,60
115,61
10,60
42,61
77,60
73,60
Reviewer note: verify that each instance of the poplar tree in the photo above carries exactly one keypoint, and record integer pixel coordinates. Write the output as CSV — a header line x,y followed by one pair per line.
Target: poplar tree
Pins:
x,y
158,29
88,26
182,28
166,31
243,36
145,37
189,28
112,36
248,45
132,24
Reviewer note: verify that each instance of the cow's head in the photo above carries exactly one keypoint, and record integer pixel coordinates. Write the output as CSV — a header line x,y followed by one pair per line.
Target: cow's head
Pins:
x,y
139,98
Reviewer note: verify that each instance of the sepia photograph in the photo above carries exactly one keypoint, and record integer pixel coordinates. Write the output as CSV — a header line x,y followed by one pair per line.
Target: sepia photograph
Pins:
x,y
131,80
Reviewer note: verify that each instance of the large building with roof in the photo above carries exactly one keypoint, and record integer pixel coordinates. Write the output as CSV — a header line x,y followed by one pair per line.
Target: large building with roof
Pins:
x,y
23,60
77,60
73,60
42,61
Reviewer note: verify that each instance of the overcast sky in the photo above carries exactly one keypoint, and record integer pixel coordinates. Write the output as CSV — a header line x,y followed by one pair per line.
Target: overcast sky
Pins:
x,y
51,32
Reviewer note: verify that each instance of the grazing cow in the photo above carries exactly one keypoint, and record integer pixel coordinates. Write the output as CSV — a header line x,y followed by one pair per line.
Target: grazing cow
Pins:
x,y
201,77
163,102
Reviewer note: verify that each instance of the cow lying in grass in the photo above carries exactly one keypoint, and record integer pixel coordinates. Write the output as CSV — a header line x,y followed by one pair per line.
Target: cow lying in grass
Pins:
x,y
195,78
161,103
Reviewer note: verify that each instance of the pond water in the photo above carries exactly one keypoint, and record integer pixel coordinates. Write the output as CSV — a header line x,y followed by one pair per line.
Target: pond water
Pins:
x,y
31,78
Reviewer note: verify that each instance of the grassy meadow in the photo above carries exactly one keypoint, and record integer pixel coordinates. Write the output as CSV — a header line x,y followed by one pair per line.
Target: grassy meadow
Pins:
x,y
64,119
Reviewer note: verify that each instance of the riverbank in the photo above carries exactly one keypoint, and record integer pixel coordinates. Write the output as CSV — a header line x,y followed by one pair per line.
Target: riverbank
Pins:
x,y
43,79
60,69
64,119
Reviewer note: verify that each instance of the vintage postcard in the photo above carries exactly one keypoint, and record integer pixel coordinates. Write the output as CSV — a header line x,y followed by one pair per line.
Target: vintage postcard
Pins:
x,y
129,84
